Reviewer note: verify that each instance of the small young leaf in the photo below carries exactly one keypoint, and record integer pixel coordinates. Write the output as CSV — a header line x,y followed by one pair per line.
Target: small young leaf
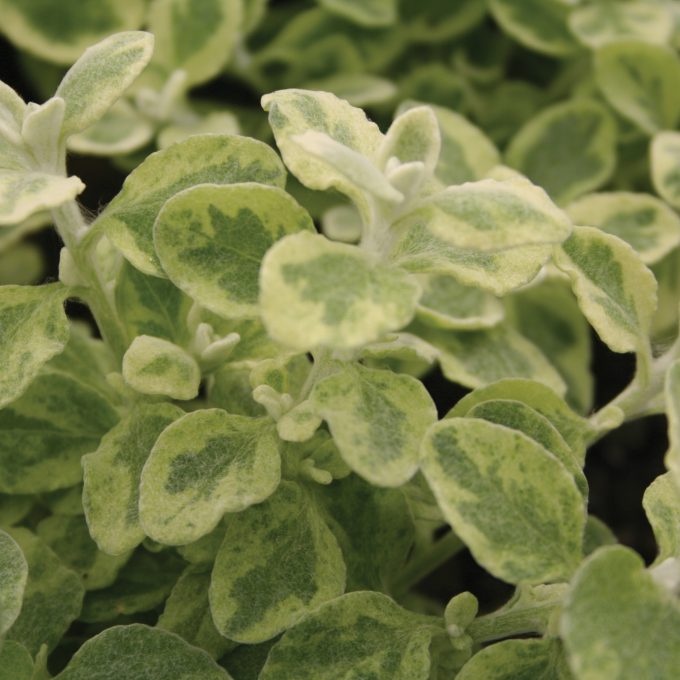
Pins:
x,y
481,472
100,76
138,652
364,12
34,329
211,239
205,464
155,366
112,473
317,293
662,507
52,599
640,81
568,148
360,634
611,608
377,419
665,161
13,575
250,601
615,291
216,159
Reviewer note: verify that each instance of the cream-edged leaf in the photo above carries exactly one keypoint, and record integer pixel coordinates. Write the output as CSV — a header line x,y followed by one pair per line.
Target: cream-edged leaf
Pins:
x,y
662,507
665,166
13,575
672,398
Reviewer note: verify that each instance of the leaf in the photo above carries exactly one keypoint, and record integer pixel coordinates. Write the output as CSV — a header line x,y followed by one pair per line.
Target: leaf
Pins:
x,y
211,240
317,293
187,612
661,502
138,652
100,76
216,159
477,358
434,21
481,472
13,508
52,598
640,81
672,399
15,662
612,607
250,601
540,25
59,33
155,366
112,473
599,24
203,465
70,539
377,419
359,89
34,328
364,12
665,166
615,291
25,192
644,222
515,659
568,148
362,634
13,575
197,37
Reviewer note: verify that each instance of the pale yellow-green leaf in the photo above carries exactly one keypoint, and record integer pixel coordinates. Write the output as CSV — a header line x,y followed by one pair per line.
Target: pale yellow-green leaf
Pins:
x,y
13,575
662,507
665,166
672,396
364,12
359,89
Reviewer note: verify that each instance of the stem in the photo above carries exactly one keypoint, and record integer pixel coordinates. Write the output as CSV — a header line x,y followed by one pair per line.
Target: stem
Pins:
x,y
512,623
417,569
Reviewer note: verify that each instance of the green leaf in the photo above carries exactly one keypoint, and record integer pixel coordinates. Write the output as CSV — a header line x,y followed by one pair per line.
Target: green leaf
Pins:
x,y
540,25
568,148
433,21
644,222
100,76
548,315
112,473
187,612
52,598
602,23
215,159
511,501
155,366
13,508
317,293
203,465
662,507
211,240
672,398
59,33
612,607
16,663
377,419
640,81
138,652
477,358
615,291
359,89
250,601
364,12
197,37
34,329
359,634
665,162
518,660
13,575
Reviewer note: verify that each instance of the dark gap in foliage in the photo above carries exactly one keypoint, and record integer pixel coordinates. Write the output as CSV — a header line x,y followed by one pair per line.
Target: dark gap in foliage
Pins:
x,y
444,393
613,372
103,181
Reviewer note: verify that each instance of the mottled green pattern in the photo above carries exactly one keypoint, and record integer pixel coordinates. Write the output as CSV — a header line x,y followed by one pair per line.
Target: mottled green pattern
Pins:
x,y
215,159
315,292
250,601
358,636
52,598
33,329
665,166
13,575
640,81
413,137
138,652
568,148
615,291
205,464
377,419
112,473
211,240
617,622
511,501
662,507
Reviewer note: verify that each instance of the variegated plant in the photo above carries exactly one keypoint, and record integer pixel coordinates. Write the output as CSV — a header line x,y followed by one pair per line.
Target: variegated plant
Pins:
x,y
245,476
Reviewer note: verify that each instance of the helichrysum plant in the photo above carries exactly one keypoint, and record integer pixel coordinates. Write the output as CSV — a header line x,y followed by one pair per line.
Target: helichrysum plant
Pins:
x,y
242,474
